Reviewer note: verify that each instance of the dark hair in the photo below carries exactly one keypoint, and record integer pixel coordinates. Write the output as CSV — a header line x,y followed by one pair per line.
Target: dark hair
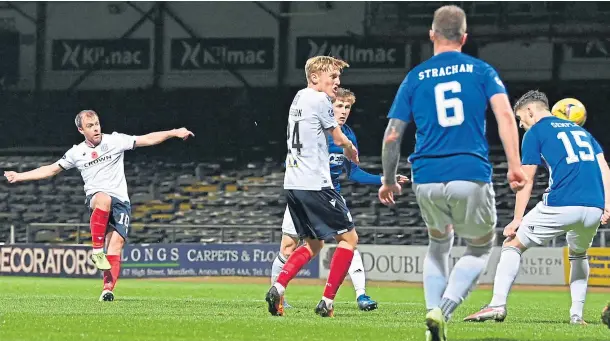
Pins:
x,y
532,96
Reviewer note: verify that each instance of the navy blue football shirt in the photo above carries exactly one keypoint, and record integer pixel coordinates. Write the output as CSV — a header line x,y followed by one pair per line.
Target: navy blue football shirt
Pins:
x,y
569,153
446,96
339,163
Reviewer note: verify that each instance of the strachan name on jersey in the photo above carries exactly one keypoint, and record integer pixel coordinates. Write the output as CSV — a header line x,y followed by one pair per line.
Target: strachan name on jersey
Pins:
x,y
445,71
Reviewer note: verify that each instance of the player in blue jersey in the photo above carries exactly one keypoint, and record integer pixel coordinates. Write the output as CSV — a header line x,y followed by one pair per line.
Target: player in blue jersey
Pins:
x,y
339,164
574,203
446,97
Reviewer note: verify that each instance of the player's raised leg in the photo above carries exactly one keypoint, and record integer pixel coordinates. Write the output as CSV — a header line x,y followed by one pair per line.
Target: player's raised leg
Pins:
x,y
100,204
358,277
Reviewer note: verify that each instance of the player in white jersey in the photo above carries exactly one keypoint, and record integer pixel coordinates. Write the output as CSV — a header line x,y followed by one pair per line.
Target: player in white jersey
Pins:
x,y
100,161
342,106
317,210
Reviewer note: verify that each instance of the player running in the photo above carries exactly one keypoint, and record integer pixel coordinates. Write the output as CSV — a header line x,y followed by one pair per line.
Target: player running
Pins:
x,y
446,96
579,190
100,161
342,106
315,207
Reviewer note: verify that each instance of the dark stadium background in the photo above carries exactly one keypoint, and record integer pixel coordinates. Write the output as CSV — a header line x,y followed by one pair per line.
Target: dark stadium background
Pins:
x,y
169,67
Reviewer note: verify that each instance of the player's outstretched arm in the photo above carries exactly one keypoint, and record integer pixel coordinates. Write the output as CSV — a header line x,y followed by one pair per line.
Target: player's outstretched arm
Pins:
x,y
521,200
603,166
361,176
161,136
35,174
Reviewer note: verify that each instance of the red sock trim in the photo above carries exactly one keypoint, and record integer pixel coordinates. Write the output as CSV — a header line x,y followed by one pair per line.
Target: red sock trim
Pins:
x,y
98,223
298,259
339,265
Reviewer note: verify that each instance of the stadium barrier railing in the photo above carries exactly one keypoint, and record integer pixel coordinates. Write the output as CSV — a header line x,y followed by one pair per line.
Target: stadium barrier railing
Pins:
x,y
274,232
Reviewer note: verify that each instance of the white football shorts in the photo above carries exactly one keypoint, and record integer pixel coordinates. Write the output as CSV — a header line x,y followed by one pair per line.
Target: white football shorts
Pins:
x,y
288,226
467,205
543,223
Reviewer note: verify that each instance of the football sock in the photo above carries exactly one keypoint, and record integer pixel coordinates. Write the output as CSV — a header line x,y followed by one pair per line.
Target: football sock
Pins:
x,y
579,275
111,276
464,276
506,272
342,259
356,273
276,268
436,270
298,259
97,223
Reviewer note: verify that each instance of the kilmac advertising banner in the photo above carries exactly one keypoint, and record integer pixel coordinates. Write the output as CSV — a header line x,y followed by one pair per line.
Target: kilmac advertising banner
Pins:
x,y
146,261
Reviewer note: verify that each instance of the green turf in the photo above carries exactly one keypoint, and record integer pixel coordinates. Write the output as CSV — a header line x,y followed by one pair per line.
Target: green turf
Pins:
x,y
67,309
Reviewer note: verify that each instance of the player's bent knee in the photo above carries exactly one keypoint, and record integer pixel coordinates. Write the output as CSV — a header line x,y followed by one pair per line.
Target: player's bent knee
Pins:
x,y
314,246
102,201
577,253
517,243
479,250
348,239
115,244
288,245
437,234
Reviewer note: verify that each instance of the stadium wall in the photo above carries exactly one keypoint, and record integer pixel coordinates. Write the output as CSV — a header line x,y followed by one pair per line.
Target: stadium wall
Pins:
x,y
539,266
245,37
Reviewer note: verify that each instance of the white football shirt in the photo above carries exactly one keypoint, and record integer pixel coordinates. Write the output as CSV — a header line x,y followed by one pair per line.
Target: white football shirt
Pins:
x,y
101,166
307,166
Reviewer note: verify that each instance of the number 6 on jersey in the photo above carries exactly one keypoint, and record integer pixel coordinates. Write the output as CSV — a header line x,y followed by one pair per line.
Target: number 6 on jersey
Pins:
x,y
443,103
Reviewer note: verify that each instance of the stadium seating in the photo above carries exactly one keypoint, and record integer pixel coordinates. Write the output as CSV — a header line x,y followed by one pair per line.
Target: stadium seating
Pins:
x,y
233,203
237,201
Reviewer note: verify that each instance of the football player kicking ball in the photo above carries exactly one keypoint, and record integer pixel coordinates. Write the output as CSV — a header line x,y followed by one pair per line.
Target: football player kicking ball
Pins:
x,y
577,199
446,96
100,161
315,207
342,106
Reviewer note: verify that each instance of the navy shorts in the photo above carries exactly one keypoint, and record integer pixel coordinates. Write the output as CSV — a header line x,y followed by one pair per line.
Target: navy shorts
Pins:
x,y
319,214
120,215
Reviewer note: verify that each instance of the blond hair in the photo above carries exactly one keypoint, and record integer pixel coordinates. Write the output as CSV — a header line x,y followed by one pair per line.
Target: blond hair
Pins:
x,y
319,64
79,117
450,22
346,94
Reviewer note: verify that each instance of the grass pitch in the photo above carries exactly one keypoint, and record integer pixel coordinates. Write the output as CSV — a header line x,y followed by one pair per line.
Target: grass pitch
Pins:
x,y
149,310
